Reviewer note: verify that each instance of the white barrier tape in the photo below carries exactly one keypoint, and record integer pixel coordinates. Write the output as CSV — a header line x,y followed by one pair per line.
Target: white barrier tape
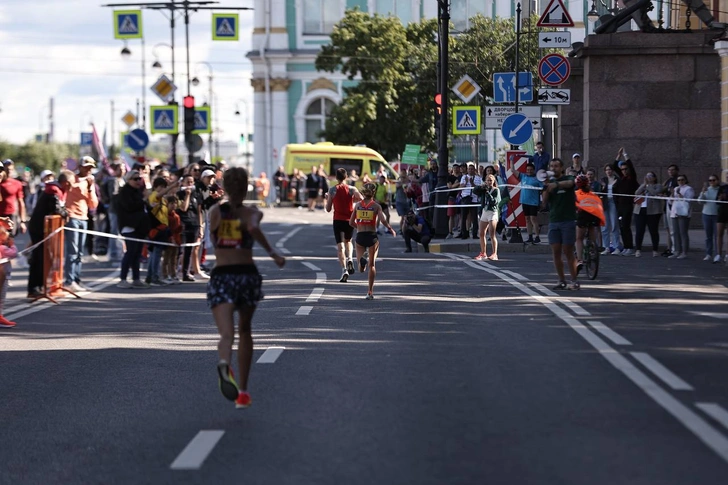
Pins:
x,y
114,236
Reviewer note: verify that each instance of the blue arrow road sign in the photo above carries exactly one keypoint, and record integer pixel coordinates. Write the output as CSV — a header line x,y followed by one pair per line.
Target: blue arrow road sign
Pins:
x,y
86,139
137,140
517,129
504,87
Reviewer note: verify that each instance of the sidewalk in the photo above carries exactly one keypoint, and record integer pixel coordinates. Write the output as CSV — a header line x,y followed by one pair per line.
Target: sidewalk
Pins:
x,y
472,246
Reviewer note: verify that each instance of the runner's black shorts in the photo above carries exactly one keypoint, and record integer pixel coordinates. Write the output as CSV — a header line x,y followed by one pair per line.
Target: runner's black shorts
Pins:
x,y
366,239
584,219
342,227
239,284
530,210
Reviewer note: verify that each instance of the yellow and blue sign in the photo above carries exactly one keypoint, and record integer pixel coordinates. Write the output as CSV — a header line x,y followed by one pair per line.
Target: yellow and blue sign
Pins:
x,y
202,120
466,120
225,26
127,24
164,119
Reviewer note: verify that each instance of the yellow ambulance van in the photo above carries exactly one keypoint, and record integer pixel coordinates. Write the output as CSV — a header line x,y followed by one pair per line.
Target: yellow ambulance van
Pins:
x,y
364,160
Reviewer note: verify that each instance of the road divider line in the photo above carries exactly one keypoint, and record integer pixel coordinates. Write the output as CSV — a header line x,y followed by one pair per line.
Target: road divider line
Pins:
x,y
304,310
285,251
270,355
288,236
320,278
567,303
715,411
609,333
703,430
197,451
315,295
311,266
665,374
517,276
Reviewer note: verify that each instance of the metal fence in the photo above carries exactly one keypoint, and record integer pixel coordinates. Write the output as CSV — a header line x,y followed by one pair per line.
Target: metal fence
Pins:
x,y
469,148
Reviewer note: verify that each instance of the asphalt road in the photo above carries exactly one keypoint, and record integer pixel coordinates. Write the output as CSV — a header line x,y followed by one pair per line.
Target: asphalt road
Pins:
x,y
459,372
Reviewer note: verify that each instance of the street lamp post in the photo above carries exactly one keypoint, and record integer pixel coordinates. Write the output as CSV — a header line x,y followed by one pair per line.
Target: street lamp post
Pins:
x,y
245,130
126,52
196,82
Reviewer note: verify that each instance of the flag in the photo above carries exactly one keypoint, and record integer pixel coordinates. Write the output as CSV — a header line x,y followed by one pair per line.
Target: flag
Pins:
x,y
99,148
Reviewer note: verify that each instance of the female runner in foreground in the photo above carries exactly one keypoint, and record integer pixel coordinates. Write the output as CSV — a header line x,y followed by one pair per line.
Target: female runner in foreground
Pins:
x,y
235,284
364,219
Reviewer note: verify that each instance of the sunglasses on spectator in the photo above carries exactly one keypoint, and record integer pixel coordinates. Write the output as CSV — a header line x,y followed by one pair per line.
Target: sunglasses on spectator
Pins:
x,y
681,179
136,179
195,170
712,180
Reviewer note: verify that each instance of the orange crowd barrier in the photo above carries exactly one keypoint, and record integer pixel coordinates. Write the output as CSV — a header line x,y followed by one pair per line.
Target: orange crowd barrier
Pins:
x,y
53,257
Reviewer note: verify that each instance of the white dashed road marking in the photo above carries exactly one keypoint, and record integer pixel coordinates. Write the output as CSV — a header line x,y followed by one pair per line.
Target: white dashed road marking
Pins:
x,y
609,333
665,374
310,266
197,450
270,355
320,278
304,310
715,411
315,295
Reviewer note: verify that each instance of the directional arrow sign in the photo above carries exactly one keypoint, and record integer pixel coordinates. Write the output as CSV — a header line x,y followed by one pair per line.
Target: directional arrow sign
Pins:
x,y
517,129
554,40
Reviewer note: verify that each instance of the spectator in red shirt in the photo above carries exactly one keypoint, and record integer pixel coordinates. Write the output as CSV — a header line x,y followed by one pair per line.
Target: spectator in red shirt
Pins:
x,y
12,204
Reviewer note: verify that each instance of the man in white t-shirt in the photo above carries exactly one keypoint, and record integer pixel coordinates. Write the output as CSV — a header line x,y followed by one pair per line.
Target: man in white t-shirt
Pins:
x,y
469,214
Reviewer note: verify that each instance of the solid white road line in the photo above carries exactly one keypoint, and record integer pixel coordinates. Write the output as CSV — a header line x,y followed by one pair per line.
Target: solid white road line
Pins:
x,y
609,333
315,295
310,266
288,236
706,433
198,450
304,310
270,355
320,278
568,303
665,374
715,411
517,276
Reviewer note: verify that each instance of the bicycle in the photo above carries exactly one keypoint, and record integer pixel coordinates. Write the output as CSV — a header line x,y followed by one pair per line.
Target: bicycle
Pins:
x,y
590,254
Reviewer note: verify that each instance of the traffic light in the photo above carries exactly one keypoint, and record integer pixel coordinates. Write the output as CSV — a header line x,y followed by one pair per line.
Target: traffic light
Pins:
x,y
189,104
438,113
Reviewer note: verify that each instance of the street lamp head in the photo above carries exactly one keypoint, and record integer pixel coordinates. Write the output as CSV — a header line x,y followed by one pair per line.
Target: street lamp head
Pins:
x,y
157,65
195,81
125,51
237,112
593,15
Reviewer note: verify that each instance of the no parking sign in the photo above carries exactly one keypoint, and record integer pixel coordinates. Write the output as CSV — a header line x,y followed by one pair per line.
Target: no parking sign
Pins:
x,y
554,69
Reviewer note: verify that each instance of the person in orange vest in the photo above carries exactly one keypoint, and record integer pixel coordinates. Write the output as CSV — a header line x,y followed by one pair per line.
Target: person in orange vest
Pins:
x,y
589,216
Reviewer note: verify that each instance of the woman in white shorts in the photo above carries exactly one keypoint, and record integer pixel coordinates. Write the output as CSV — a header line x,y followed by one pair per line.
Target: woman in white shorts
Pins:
x,y
489,217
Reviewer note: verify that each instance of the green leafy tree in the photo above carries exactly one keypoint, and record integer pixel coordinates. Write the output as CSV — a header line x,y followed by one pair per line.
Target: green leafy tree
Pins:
x,y
396,66
38,156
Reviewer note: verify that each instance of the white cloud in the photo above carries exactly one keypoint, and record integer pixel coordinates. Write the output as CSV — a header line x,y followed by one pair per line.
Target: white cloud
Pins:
x,y
66,50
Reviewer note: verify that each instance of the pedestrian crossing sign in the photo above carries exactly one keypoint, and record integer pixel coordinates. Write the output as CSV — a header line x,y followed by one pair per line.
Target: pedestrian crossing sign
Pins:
x,y
466,120
127,24
164,119
225,26
202,120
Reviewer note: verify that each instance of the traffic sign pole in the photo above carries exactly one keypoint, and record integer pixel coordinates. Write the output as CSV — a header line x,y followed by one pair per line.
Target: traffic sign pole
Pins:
x,y
439,216
518,45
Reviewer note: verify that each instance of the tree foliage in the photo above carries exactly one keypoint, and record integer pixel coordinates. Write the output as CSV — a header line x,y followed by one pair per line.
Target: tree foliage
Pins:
x,y
38,156
392,103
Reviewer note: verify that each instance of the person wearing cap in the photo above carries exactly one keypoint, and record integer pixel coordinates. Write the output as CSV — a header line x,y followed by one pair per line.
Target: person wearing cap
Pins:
x,y
80,200
576,164
134,224
12,199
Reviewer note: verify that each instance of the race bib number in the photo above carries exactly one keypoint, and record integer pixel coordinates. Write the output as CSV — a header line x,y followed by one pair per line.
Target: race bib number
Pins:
x,y
365,215
229,231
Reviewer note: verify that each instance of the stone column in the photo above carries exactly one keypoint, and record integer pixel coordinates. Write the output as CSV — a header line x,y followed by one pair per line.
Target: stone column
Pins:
x,y
722,48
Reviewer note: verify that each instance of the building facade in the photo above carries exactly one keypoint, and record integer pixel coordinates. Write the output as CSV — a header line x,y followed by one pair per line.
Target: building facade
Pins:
x,y
292,99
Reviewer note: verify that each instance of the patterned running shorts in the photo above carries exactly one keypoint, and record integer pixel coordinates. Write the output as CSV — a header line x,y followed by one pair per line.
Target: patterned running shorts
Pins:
x,y
236,284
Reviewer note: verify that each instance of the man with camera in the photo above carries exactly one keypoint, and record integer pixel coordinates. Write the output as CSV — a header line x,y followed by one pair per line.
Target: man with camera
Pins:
x,y
416,228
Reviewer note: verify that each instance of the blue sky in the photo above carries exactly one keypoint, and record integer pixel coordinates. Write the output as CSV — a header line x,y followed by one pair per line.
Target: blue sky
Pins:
x,y
66,50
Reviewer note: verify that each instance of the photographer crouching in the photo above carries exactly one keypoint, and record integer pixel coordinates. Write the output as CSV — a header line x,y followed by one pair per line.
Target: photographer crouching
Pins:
x,y
416,228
